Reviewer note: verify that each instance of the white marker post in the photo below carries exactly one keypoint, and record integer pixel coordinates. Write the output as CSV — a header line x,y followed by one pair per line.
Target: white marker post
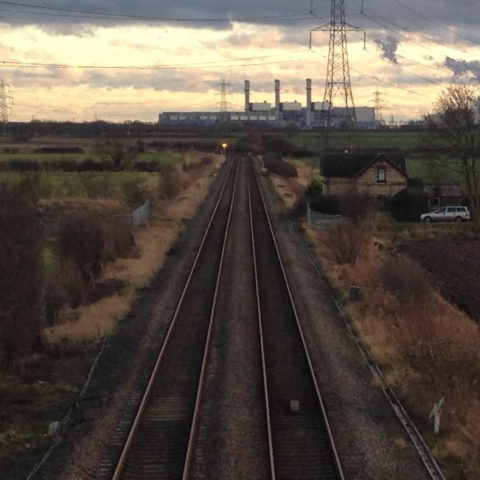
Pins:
x,y
436,413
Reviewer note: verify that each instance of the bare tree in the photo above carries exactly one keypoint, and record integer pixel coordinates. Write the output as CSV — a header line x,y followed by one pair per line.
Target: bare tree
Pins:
x,y
121,153
456,139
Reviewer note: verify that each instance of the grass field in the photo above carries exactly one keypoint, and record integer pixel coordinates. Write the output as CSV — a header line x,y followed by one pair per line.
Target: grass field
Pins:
x,y
74,184
167,158
316,141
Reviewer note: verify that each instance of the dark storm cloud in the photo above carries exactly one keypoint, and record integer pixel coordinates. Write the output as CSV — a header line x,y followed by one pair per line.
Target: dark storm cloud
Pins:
x,y
210,13
443,19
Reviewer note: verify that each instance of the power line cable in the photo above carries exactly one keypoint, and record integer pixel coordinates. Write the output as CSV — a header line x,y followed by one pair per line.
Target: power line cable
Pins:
x,y
433,22
108,15
245,62
374,18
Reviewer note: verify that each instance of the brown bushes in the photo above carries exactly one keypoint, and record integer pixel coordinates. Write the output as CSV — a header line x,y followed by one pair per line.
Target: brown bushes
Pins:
x,y
346,241
86,243
81,241
406,280
274,163
168,183
20,275
134,193
428,349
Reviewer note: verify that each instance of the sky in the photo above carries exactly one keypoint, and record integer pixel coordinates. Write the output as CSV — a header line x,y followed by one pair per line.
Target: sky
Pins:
x,y
114,60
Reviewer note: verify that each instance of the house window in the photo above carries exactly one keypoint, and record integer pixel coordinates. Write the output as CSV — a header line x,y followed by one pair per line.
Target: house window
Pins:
x,y
381,174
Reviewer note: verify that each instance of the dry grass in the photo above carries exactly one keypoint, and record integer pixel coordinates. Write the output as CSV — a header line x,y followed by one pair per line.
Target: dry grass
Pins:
x,y
293,189
152,241
93,321
427,348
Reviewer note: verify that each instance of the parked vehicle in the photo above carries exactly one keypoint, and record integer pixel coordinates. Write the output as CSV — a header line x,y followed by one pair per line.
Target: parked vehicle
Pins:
x,y
447,214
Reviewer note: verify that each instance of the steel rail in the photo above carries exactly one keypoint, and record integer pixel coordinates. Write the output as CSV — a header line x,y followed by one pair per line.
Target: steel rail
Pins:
x,y
262,343
300,331
199,398
148,390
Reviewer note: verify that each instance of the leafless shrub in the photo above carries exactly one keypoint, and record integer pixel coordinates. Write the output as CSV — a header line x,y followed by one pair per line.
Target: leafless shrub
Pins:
x,y
121,153
406,280
346,241
356,205
82,241
119,238
105,288
134,193
169,183
54,299
20,276
274,163
74,285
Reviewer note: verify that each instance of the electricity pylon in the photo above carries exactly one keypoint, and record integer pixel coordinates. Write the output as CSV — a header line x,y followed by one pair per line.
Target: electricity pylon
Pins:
x,y
338,83
6,102
223,103
379,104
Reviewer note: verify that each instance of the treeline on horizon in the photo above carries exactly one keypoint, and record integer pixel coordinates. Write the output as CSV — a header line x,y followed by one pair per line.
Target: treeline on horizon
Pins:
x,y
22,131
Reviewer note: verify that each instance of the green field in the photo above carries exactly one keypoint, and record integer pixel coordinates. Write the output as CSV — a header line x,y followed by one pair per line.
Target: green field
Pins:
x,y
83,184
316,141
167,158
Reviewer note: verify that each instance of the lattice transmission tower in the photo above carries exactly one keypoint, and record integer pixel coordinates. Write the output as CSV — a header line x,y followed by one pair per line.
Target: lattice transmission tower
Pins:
x,y
223,104
338,84
379,105
6,102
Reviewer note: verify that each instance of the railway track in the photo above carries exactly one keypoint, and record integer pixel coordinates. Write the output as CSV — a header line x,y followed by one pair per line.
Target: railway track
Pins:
x,y
302,443
158,438
180,430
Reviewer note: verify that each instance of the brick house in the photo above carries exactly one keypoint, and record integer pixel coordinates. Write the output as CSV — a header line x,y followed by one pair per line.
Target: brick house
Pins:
x,y
376,174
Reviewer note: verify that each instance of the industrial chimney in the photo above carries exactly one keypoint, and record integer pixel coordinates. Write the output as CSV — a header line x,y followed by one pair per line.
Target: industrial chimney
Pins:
x,y
247,95
308,111
277,98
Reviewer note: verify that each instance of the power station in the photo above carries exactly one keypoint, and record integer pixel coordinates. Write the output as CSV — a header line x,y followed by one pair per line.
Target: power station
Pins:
x,y
279,114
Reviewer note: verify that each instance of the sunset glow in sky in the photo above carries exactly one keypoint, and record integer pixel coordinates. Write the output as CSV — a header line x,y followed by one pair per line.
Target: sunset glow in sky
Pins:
x,y
80,60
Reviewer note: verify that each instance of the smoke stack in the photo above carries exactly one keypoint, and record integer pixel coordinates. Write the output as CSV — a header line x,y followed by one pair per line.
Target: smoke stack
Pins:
x,y
308,111
247,95
277,95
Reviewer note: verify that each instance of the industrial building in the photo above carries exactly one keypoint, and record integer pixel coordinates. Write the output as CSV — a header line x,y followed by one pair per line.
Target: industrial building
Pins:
x,y
279,114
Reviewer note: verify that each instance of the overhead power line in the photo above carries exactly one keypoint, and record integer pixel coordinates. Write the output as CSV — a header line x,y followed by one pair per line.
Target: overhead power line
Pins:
x,y
434,22
241,62
77,13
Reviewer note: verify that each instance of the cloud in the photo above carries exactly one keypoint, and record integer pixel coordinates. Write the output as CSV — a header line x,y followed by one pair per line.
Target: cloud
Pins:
x,y
388,46
462,67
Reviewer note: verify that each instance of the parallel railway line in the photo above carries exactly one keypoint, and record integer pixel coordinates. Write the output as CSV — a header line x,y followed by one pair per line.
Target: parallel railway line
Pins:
x,y
173,432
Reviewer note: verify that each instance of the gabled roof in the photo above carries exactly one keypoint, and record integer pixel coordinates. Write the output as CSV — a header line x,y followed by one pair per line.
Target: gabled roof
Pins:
x,y
353,164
